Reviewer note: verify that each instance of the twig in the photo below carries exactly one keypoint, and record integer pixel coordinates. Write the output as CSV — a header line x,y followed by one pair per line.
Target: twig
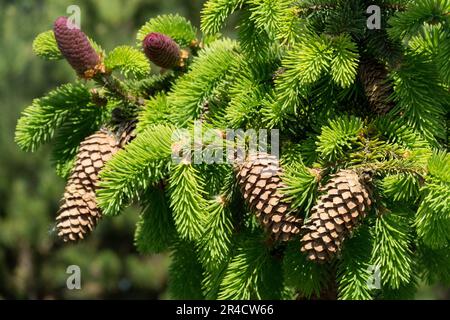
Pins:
x,y
116,87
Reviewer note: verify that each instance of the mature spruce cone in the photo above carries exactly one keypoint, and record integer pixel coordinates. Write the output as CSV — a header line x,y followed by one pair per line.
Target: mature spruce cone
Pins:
x,y
336,214
75,47
162,50
260,183
374,77
79,214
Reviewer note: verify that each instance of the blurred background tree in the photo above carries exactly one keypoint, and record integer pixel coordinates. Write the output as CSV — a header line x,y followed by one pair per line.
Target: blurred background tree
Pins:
x,y
32,262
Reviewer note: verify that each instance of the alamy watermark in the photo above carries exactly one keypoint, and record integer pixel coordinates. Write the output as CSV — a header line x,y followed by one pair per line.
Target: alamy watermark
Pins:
x,y
73,282
74,17
214,146
374,21
374,280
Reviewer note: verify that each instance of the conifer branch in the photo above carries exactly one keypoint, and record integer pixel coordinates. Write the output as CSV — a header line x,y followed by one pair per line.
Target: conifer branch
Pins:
x,y
116,87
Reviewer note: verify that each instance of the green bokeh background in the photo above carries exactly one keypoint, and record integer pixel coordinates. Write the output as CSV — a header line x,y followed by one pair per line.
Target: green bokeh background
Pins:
x,y
32,262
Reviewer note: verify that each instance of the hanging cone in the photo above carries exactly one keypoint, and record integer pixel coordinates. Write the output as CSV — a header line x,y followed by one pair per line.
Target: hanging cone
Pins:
x,y
336,214
78,214
260,181
374,77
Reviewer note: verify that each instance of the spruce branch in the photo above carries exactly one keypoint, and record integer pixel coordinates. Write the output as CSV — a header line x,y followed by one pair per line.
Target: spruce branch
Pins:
x,y
301,186
143,163
118,90
306,277
353,268
185,272
155,230
338,137
422,111
216,245
215,12
207,71
39,122
406,24
391,251
129,61
248,273
187,191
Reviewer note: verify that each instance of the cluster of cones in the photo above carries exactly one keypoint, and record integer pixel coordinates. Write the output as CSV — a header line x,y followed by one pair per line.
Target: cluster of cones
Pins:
x,y
345,200
79,214
76,48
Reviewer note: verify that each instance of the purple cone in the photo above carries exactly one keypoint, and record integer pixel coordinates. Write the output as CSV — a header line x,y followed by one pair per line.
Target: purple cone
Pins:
x,y
161,50
75,46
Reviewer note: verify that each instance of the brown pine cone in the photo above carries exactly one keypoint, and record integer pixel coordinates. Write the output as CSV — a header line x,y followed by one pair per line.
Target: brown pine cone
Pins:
x,y
79,214
260,181
346,200
374,77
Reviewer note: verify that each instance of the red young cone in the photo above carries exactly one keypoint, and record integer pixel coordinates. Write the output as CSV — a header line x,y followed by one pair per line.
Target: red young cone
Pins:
x,y
162,50
75,47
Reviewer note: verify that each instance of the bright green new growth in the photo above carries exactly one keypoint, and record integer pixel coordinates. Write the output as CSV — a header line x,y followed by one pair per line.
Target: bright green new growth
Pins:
x,y
186,190
40,121
175,26
295,66
192,91
129,61
45,46
338,137
125,176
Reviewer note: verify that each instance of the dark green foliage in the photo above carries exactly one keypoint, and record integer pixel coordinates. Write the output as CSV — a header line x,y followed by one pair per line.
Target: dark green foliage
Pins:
x,y
353,269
